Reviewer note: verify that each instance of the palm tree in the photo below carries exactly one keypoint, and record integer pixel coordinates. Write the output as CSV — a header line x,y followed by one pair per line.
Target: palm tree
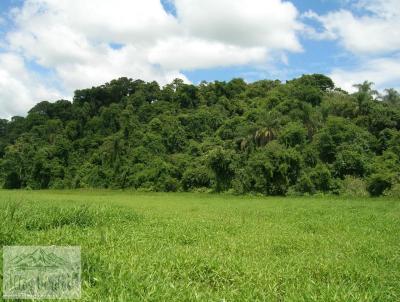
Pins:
x,y
392,97
365,95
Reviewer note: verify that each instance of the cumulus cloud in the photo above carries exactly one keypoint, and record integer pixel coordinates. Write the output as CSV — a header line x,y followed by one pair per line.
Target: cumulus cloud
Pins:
x,y
192,53
371,32
384,72
74,39
19,89
376,30
251,23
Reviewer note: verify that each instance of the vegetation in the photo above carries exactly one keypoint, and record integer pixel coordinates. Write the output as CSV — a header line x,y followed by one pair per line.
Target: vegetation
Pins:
x,y
300,137
207,247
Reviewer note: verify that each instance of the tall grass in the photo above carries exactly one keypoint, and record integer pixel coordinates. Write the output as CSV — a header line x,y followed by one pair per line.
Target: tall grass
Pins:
x,y
195,247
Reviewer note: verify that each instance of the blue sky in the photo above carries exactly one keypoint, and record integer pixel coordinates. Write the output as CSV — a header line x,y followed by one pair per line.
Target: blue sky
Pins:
x,y
50,48
318,56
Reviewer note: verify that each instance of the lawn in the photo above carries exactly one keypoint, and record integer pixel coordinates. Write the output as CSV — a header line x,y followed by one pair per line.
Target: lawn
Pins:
x,y
199,247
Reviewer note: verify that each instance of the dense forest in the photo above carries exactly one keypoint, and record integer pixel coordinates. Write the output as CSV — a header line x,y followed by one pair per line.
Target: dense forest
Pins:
x,y
304,136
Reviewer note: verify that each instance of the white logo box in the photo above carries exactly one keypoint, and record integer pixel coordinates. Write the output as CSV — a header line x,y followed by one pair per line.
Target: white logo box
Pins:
x,y
41,272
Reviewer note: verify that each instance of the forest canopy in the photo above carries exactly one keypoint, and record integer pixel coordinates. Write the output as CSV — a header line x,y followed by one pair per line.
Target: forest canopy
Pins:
x,y
304,136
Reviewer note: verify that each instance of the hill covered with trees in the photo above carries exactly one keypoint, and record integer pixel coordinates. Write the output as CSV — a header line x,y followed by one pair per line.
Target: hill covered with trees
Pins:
x,y
300,137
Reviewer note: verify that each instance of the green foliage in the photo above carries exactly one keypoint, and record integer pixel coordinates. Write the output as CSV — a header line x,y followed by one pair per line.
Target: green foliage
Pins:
x,y
339,133
221,162
379,183
350,162
316,179
293,134
303,136
353,187
198,177
273,169
394,191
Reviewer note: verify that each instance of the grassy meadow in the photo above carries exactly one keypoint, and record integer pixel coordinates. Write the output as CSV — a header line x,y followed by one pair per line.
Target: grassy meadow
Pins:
x,y
199,247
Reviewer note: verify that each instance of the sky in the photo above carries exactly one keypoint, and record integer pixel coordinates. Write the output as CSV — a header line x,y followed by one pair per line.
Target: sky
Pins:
x,y
50,48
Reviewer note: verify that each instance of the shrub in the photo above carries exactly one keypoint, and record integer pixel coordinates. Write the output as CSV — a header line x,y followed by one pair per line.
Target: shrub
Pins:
x,y
304,185
350,162
378,183
58,184
394,191
197,177
274,169
293,134
321,178
12,181
353,186
170,184
220,162
314,180
240,183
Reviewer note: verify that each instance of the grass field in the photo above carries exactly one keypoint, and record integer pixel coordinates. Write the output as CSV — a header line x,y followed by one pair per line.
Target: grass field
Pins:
x,y
194,247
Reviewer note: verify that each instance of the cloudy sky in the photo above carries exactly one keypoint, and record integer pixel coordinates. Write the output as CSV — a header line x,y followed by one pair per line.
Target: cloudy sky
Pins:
x,y
49,48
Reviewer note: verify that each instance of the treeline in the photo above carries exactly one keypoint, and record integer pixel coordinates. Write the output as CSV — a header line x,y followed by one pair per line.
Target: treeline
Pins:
x,y
300,137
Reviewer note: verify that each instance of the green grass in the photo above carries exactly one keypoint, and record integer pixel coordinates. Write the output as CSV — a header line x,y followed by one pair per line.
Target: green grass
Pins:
x,y
194,247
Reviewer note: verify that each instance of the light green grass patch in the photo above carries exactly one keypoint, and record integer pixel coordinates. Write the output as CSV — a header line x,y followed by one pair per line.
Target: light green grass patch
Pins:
x,y
199,247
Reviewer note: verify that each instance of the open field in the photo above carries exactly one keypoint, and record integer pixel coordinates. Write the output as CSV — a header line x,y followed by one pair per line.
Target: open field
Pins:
x,y
195,247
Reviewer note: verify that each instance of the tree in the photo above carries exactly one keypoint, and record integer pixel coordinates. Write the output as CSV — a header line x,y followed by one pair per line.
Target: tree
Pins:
x,y
293,134
392,97
185,95
316,179
338,132
196,177
221,162
274,169
319,81
365,95
266,137
350,162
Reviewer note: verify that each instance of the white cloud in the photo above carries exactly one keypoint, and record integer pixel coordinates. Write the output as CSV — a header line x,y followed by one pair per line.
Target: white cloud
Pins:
x,y
73,37
251,23
20,89
375,31
371,32
101,20
196,53
384,72
384,8
107,63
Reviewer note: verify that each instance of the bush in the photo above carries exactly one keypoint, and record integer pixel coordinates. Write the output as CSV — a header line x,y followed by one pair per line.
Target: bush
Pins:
x,y
304,185
315,180
321,178
170,184
293,134
198,177
350,162
394,191
353,187
240,183
58,184
378,183
274,169
12,181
